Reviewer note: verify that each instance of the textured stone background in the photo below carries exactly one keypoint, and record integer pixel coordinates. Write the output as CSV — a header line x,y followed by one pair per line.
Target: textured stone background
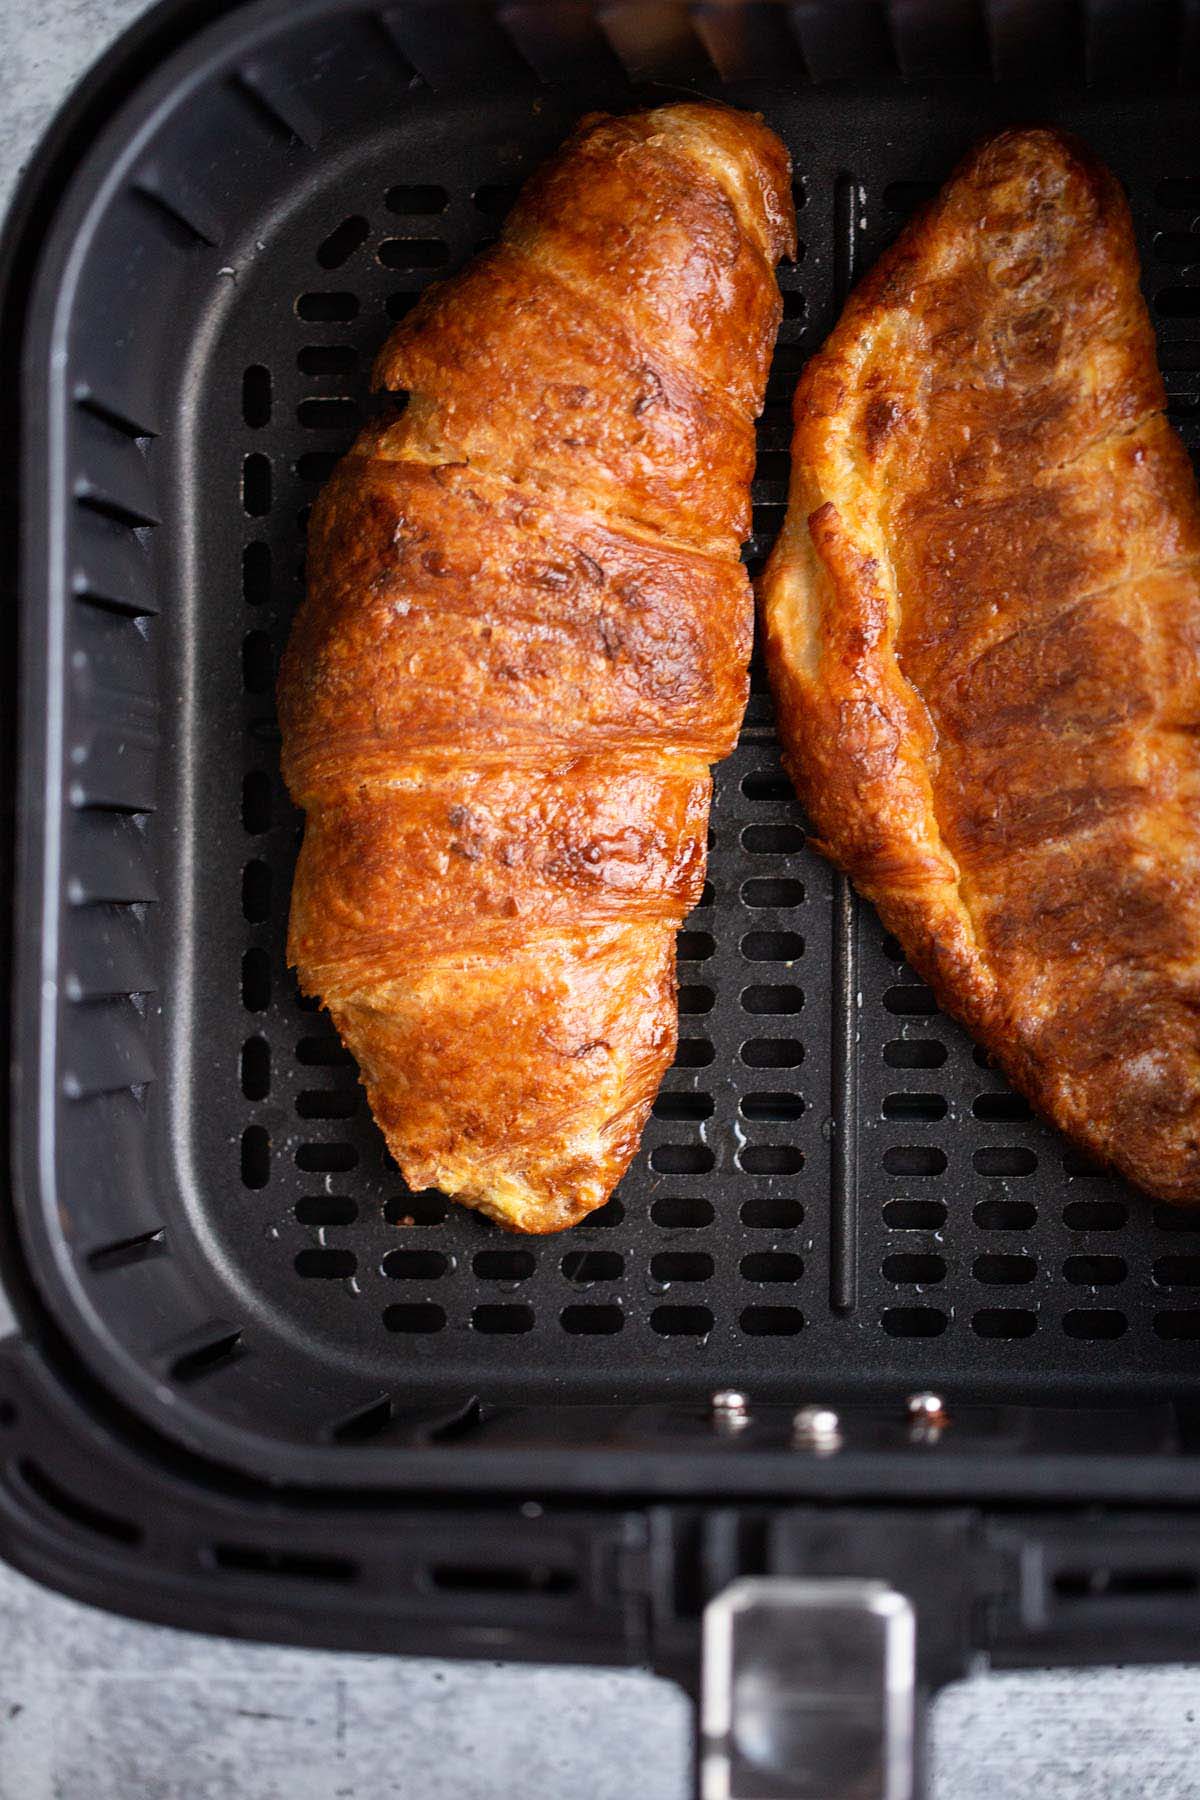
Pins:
x,y
97,1708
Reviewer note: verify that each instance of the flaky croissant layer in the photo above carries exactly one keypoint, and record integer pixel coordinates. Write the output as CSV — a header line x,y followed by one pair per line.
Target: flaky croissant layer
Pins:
x,y
526,636
982,623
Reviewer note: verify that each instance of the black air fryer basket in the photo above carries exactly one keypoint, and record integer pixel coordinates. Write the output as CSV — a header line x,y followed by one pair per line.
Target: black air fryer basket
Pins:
x,y
260,1387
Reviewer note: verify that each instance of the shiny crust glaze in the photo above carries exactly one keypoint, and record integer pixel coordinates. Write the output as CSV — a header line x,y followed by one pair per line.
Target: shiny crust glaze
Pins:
x,y
526,635
983,630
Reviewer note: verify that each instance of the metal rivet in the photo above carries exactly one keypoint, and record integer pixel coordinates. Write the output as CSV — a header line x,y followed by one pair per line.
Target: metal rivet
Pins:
x,y
925,1407
817,1428
927,1417
730,1410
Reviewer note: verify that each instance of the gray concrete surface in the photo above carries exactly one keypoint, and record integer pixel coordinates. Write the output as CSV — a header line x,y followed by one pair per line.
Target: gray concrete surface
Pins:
x,y
96,1708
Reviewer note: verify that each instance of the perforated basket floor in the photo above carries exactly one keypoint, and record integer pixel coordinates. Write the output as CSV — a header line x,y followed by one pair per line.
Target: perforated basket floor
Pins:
x,y
953,1233
835,1192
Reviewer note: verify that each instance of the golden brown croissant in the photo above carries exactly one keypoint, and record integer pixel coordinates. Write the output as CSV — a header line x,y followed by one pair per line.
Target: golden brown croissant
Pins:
x,y
983,628
526,635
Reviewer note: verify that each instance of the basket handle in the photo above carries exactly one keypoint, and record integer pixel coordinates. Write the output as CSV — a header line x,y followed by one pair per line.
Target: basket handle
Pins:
x,y
808,1692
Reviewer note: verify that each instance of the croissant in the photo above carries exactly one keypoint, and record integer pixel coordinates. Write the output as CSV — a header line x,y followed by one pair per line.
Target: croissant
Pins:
x,y
983,631
525,637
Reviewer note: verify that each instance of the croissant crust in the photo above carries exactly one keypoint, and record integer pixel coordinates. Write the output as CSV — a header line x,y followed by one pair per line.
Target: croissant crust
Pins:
x,y
983,631
525,638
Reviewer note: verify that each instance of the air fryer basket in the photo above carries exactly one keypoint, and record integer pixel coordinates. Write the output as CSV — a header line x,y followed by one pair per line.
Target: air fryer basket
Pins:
x,y
222,1277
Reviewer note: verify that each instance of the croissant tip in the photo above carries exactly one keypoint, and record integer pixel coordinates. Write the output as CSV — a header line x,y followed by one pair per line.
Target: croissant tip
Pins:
x,y
528,1202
